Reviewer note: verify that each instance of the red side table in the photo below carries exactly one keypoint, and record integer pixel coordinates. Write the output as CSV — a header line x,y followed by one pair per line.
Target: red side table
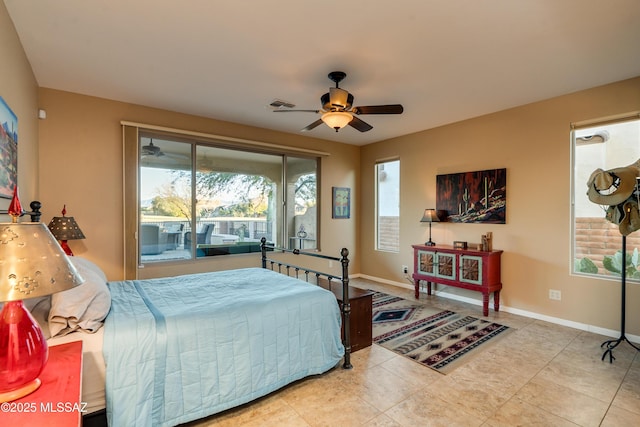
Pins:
x,y
57,402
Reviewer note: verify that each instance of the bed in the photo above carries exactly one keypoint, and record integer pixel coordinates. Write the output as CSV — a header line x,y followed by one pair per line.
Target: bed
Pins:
x,y
177,349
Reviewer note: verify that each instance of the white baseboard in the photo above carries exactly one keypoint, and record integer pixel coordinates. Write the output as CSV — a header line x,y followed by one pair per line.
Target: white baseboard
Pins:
x,y
571,324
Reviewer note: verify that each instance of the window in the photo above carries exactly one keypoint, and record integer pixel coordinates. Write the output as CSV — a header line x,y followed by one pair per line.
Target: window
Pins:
x,y
597,242
302,191
199,199
387,175
165,202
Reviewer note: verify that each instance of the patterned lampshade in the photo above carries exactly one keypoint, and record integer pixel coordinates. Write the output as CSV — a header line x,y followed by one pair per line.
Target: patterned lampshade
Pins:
x,y
32,263
65,228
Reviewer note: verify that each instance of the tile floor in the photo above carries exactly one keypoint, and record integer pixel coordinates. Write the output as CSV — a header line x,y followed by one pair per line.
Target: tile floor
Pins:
x,y
540,374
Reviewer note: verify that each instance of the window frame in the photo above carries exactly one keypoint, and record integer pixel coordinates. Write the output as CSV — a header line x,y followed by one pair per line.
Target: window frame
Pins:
x,y
131,152
581,263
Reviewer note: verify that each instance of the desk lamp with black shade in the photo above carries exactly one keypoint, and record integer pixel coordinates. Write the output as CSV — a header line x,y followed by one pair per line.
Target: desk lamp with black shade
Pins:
x,y
32,264
430,215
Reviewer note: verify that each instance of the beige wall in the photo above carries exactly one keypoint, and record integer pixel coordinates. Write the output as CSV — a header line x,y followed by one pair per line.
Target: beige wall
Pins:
x,y
81,152
533,143
19,89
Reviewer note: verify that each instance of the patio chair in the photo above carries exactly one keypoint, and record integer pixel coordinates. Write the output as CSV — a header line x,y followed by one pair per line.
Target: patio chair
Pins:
x,y
202,238
153,240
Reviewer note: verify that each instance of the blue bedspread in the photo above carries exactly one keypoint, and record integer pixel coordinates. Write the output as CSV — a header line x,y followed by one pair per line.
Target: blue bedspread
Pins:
x,y
179,349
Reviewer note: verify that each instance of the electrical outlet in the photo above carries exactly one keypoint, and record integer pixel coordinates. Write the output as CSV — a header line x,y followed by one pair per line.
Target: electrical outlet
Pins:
x,y
405,269
555,294
330,264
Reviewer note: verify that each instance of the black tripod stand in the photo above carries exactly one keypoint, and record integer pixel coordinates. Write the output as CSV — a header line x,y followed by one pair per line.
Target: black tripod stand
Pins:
x,y
611,344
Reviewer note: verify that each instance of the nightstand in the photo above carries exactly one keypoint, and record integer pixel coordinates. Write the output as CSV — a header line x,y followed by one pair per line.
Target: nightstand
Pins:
x,y
57,402
361,325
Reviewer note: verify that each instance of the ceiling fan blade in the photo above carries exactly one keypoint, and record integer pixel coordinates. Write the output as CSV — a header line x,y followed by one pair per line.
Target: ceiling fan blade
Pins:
x,y
295,111
379,109
312,125
362,126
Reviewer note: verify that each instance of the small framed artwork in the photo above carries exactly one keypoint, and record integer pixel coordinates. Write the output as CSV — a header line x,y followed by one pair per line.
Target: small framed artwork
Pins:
x,y
8,150
341,203
459,244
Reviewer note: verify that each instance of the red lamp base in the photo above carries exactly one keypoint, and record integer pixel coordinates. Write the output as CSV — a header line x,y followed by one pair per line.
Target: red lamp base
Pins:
x,y
23,352
20,392
65,247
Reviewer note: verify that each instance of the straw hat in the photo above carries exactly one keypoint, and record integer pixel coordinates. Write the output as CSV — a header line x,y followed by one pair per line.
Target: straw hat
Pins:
x,y
613,186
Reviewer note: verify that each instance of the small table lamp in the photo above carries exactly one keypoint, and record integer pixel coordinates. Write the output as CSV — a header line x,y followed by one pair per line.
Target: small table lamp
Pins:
x,y
32,264
430,215
65,228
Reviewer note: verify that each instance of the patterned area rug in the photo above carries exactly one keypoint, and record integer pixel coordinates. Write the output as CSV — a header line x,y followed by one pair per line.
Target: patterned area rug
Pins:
x,y
437,339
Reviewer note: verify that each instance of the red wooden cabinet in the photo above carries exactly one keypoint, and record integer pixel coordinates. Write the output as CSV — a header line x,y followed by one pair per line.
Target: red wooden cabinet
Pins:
x,y
461,268
57,402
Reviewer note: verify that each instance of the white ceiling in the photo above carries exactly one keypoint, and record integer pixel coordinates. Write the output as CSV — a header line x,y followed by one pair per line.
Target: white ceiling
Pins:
x,y
444,60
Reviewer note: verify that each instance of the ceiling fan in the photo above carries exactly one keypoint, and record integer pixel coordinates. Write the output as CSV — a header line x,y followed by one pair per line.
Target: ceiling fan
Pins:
x,y
151,150
337,111
153,154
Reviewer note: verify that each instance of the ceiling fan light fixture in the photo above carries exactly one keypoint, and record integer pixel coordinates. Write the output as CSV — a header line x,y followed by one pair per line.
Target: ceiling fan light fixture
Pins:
x,y
337,119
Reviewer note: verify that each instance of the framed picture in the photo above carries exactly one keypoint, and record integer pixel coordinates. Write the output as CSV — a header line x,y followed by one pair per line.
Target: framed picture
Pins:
x,y
8,150
341,203
457,244
473,197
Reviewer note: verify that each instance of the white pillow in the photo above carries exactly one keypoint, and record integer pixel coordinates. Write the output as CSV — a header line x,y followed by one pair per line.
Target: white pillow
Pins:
x,y
83,307
83,263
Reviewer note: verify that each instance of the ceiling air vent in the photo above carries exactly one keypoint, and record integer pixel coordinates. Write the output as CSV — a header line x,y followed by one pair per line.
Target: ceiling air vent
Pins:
x,y
278,103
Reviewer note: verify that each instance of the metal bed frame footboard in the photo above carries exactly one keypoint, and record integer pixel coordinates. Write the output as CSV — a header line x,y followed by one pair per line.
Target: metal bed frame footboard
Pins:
x,y
308,273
